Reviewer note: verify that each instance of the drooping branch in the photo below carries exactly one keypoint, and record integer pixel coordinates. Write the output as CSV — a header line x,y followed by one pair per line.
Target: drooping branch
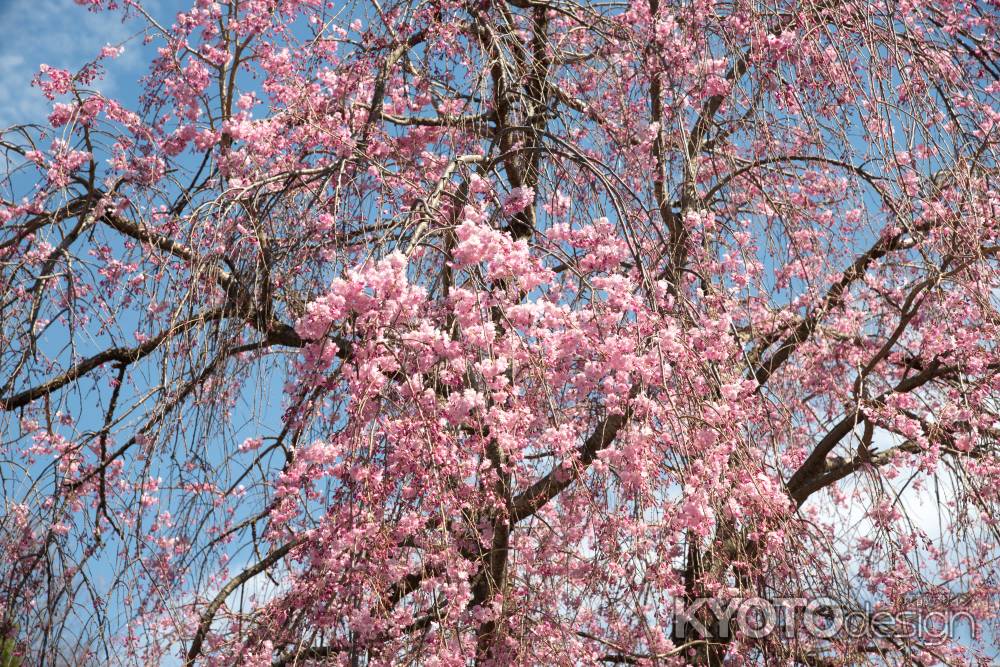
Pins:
x,y
207,616
833,299
122,355
537,495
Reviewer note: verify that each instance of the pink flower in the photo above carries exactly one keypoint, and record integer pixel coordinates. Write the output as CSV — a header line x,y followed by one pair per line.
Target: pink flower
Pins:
x,y
517,200
110,51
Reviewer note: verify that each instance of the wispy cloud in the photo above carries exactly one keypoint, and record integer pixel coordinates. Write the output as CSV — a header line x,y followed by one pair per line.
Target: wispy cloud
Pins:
x,y
62,34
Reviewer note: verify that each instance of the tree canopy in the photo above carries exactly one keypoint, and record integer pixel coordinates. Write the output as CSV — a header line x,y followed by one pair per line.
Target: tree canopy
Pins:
x,y
441,332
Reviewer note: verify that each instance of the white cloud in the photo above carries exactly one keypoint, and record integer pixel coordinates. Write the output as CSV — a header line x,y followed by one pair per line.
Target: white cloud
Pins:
x,y
62,34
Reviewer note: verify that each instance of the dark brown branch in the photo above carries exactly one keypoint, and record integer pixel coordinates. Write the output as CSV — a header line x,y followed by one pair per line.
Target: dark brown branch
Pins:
x,y
205,623
541,492
122,355
833,299
815,465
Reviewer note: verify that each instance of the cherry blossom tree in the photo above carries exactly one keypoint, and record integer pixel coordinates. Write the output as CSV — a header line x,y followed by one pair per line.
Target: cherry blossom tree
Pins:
x,y
496,331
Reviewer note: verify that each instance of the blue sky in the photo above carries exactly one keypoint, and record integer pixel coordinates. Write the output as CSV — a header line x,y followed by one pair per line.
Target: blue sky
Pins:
x,y
63,34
